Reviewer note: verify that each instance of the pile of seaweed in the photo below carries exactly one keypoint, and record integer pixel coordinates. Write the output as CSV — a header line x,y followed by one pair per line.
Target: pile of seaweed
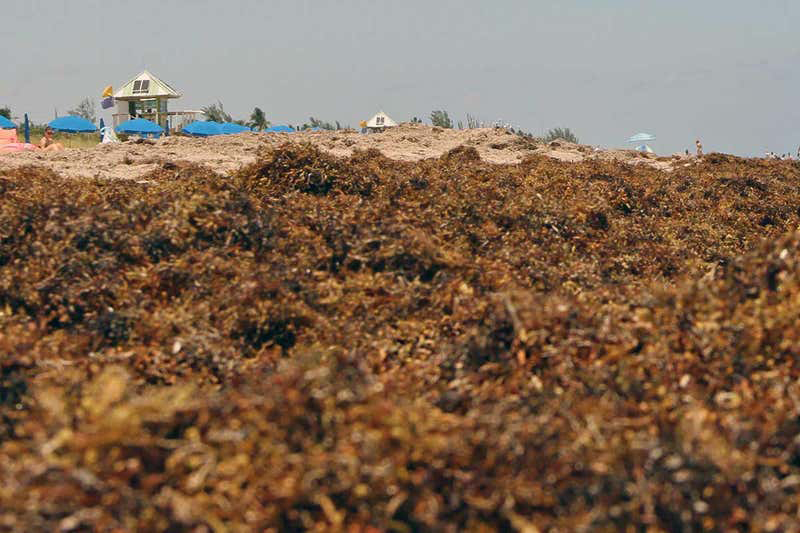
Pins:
x,y
365,345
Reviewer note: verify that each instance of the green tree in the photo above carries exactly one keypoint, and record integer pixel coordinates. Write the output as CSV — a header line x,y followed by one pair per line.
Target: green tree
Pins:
x,y
216,113
258,121
561,133
317,123
86,109
472,122
441,119
5,112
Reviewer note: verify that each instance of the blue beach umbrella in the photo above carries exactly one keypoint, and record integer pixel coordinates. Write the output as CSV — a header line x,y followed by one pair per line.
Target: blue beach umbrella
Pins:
x,y
6,124
140,126
72,124
279,129
201,128
232,127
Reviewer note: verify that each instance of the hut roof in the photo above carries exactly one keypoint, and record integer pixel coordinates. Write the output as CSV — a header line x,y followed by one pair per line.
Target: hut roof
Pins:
x,y
380,120
144,86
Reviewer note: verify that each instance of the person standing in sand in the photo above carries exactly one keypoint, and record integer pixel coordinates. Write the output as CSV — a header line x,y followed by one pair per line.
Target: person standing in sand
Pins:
x,y
48,144
699,148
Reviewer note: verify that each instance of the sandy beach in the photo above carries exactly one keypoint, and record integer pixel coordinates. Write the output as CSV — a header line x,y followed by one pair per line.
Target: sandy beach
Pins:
x,y
226,153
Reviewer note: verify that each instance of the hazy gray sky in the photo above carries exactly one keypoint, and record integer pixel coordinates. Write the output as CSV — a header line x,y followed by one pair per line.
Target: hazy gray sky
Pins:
x,y
726,71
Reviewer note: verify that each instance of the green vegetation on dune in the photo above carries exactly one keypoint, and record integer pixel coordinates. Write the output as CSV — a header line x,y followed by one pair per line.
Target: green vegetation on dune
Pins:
x,y
561,133
441,119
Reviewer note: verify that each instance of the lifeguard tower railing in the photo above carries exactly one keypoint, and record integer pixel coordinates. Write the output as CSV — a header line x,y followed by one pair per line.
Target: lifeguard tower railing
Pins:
x,y
176,119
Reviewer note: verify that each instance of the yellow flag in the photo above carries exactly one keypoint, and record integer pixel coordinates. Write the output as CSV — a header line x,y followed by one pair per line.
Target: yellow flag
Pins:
x,y
108,91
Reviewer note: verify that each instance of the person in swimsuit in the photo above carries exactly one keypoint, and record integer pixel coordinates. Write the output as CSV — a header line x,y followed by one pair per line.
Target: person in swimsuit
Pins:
x,y
699,148
49,144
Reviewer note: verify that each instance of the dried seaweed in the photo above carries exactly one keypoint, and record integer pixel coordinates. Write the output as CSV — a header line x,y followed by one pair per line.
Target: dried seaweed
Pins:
x,y
363,344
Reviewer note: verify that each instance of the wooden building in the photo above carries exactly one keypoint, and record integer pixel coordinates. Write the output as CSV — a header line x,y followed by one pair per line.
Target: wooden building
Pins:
x,y
147,96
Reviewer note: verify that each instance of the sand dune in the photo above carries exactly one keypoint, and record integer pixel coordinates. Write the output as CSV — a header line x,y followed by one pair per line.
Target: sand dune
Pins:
x,y
225,153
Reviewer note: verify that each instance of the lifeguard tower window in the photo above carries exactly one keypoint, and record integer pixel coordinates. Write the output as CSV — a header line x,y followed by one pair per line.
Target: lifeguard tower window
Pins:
x,y
379,121
150,106
141,86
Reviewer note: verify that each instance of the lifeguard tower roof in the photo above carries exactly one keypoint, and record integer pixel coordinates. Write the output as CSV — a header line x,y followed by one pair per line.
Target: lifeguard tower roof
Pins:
x,y
144,86
381,120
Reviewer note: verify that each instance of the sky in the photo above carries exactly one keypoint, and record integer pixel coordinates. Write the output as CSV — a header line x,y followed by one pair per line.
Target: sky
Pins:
x,y
724,71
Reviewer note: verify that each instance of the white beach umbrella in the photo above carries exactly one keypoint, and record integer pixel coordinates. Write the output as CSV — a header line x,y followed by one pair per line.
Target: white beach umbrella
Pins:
x,y
642,138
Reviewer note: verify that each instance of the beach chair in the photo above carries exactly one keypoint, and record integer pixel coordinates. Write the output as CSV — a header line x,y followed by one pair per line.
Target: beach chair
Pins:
x,y
109,135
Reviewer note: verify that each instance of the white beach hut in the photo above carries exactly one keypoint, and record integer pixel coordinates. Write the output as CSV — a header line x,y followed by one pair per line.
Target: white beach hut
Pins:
x,y
380,121
146,96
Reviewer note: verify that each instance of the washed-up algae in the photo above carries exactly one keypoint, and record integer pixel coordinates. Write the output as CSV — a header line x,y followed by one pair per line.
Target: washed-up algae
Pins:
x,y
368,345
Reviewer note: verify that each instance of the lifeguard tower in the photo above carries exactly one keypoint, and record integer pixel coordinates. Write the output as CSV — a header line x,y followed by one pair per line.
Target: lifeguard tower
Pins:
x,y
146,96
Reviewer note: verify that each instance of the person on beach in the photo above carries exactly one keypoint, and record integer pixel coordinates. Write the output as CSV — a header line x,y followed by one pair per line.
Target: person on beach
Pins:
x,y
48,144
699,148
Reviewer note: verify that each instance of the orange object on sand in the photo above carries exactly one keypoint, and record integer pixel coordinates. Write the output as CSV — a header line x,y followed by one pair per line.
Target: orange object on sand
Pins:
x,y
8,136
